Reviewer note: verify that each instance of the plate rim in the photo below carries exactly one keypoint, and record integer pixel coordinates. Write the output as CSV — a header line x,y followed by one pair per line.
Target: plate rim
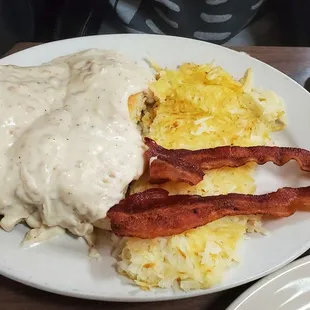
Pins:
x,y
85,38
248,293
146,299
149,298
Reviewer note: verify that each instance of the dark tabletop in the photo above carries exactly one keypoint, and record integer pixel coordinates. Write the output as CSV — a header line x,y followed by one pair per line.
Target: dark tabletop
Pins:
x,y
293,61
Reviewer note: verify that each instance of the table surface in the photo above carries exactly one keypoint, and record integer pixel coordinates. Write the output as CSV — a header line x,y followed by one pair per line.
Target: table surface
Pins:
x,y
293,61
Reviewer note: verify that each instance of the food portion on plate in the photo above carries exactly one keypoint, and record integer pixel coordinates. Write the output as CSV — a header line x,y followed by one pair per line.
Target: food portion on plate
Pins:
x,y
69,148
217,122
166,156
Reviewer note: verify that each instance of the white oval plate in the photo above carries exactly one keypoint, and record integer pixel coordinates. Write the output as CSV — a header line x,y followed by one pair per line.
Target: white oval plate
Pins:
x,y
286,289
62,265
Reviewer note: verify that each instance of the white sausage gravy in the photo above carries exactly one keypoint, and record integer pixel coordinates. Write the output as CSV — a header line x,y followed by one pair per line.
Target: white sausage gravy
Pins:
x,y
68,149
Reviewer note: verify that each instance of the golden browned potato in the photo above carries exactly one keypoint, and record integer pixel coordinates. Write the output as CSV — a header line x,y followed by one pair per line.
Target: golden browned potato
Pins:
x,y
136,104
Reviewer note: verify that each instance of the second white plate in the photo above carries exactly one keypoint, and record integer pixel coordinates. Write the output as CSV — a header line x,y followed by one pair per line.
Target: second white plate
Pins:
x,y
287,289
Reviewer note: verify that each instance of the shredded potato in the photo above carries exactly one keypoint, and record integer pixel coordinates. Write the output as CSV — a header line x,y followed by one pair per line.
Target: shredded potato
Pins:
x,y
201,106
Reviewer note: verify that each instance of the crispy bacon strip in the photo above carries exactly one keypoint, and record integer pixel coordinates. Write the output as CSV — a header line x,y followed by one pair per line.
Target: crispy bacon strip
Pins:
x,y
174,169
153,213
188,166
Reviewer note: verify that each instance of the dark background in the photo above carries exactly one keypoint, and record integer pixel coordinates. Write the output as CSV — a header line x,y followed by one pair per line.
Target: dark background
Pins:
x,y
49,20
